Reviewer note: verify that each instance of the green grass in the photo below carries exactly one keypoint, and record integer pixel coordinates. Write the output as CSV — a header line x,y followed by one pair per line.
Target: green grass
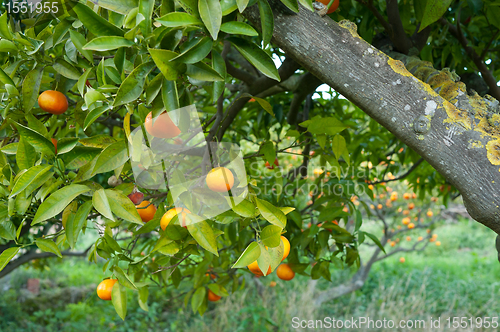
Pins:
x,y
459,278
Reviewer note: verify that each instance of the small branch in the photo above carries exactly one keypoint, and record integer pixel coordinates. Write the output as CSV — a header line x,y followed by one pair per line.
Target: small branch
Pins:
x,y
401,176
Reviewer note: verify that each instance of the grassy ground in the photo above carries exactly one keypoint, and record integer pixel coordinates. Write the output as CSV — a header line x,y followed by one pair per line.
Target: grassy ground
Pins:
x,y
459,278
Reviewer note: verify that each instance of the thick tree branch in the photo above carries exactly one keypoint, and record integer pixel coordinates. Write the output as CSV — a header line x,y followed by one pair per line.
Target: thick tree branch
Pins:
x,y
401,41
437,129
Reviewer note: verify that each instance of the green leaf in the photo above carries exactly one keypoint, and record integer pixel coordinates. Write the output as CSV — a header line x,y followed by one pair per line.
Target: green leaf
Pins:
x,y
119,299
28,177
146,8
48,246
4,78
267,149
112,242
271,213
57,202
36,125
319,125
66,69
374,239
198,298
170,70
7,255
133,86
79,40
338,146
238,28
123,207
143,298
195,53
242,5
118,6
211,15
434,9
4,27
271,236
493,15
111,158
25,154
265,105
178,19
37,140
95,23
94,115
266,21
256,56
293,5
31,88
75,225
202,232
203,72
123,278
250,255
245,208
101,204
220,67
218,290
107,43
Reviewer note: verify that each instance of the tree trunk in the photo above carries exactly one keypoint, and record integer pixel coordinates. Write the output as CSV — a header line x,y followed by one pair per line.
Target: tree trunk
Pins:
x,y
460,138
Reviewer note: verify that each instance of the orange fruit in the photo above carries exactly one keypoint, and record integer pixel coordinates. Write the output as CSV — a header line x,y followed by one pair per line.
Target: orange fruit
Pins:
x,y
333,7
286,251
255,269
213,297
53,102
408,238
393,244
165,220
380,206
161,126
406,196
272,284
148,213
370,186
220,179
438,243
285,272
420,238
411,225
394,196
411,206
104,289
406,212
402,259
212,276
430,213
54,141
406,221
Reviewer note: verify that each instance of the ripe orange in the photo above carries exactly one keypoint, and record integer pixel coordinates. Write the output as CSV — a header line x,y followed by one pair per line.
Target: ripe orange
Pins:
x,y
406,196
380,206
54,141
255,269
333,7
402,259
411,225
286,251
406,221
284,272
220,179
53,102
104,289
272,284
165,220
212,276
438,243
394,196
213,297
393,244
430,213
420,238
162,126
411,206
408,238
148,213
406,212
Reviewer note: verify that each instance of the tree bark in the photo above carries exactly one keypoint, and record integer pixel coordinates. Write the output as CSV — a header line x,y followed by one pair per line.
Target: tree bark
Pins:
x,y
460,139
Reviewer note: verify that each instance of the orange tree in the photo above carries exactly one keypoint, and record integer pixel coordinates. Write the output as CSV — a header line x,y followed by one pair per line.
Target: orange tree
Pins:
x,y
122,64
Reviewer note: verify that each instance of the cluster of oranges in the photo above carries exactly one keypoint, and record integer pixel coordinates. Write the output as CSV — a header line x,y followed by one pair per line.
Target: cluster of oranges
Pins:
x,y
284,271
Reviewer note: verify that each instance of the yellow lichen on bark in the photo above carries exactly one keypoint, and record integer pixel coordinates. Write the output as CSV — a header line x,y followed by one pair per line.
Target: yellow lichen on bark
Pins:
x,y
456,115
493,150
351,26
399,67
